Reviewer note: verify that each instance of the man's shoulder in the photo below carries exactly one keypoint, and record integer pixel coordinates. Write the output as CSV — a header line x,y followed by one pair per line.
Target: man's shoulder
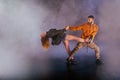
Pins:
x,y
84,24
95,25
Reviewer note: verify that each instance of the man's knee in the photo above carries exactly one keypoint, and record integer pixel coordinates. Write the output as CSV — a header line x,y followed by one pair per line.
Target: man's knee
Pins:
x,y
94,46
78,46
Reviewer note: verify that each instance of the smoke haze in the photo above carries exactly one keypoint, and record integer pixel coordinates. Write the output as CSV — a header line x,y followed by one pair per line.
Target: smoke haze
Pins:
x,y
22,21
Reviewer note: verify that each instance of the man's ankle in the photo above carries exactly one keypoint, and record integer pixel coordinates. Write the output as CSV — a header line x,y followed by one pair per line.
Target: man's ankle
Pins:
x,y
97,58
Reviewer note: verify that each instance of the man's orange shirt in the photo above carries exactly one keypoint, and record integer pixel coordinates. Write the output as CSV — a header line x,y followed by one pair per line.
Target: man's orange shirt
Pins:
x,y
88,30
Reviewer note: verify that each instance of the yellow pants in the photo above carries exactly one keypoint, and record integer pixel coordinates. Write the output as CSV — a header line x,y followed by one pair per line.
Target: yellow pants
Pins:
x,y
83,44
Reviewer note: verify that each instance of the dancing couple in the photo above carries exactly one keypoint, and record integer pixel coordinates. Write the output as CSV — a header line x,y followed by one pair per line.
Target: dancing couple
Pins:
x,y
89,31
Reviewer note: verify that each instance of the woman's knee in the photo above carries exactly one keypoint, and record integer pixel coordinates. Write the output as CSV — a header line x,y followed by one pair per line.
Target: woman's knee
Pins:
x,y
68,37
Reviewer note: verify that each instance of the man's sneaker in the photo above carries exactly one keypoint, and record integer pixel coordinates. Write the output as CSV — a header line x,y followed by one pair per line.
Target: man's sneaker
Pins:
x,y
98,61
72,61
68,61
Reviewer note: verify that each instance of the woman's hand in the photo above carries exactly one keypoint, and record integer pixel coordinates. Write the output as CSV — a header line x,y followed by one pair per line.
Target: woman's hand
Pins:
x,y
67,27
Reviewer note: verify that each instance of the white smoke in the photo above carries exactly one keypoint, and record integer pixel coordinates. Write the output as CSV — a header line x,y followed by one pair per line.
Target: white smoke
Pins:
x,y
20,23
109,15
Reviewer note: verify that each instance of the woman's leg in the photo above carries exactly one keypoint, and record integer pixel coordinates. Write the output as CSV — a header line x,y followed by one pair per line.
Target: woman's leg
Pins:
x,y
71,37
66,44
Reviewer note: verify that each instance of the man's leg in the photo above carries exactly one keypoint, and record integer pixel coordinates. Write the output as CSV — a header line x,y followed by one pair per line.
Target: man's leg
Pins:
x,y
97,52
71,59
96,49
68,38
78,46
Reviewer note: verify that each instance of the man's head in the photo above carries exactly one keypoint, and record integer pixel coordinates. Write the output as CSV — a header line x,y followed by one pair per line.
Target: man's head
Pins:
x,y
91,19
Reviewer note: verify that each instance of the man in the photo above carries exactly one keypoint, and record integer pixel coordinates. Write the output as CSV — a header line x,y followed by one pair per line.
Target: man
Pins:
x,y
89,31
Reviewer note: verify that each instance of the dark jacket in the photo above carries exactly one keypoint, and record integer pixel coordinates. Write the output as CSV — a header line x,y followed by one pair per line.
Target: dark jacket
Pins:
x,y
56,35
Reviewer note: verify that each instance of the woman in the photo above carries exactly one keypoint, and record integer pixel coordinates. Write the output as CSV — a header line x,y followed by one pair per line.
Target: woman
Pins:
x,y
57,37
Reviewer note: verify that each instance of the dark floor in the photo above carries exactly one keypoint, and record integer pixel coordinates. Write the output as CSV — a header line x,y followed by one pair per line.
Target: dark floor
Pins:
x,y
55,68
81,71
52,66
86,69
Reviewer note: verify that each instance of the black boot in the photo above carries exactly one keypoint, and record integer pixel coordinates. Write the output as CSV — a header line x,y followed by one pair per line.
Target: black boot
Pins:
x,y
98,61
72,61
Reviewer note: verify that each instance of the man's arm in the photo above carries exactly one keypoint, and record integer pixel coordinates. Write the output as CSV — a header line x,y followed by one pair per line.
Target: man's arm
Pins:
x,y
94,33
75,28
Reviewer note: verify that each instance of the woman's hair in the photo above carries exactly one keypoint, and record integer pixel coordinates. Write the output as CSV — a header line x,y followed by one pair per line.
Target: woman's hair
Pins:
x,y
45,42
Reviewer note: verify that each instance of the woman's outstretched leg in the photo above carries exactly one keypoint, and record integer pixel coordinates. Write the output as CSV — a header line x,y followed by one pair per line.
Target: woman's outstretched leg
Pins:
x,y
71,59
78,39
71,37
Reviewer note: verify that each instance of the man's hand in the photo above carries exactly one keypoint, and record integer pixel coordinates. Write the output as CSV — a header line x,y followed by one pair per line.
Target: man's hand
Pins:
x,y
87,40
67,27
90,41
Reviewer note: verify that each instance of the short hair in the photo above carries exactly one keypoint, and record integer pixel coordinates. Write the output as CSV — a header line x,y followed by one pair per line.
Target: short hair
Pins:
x,y
91,16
